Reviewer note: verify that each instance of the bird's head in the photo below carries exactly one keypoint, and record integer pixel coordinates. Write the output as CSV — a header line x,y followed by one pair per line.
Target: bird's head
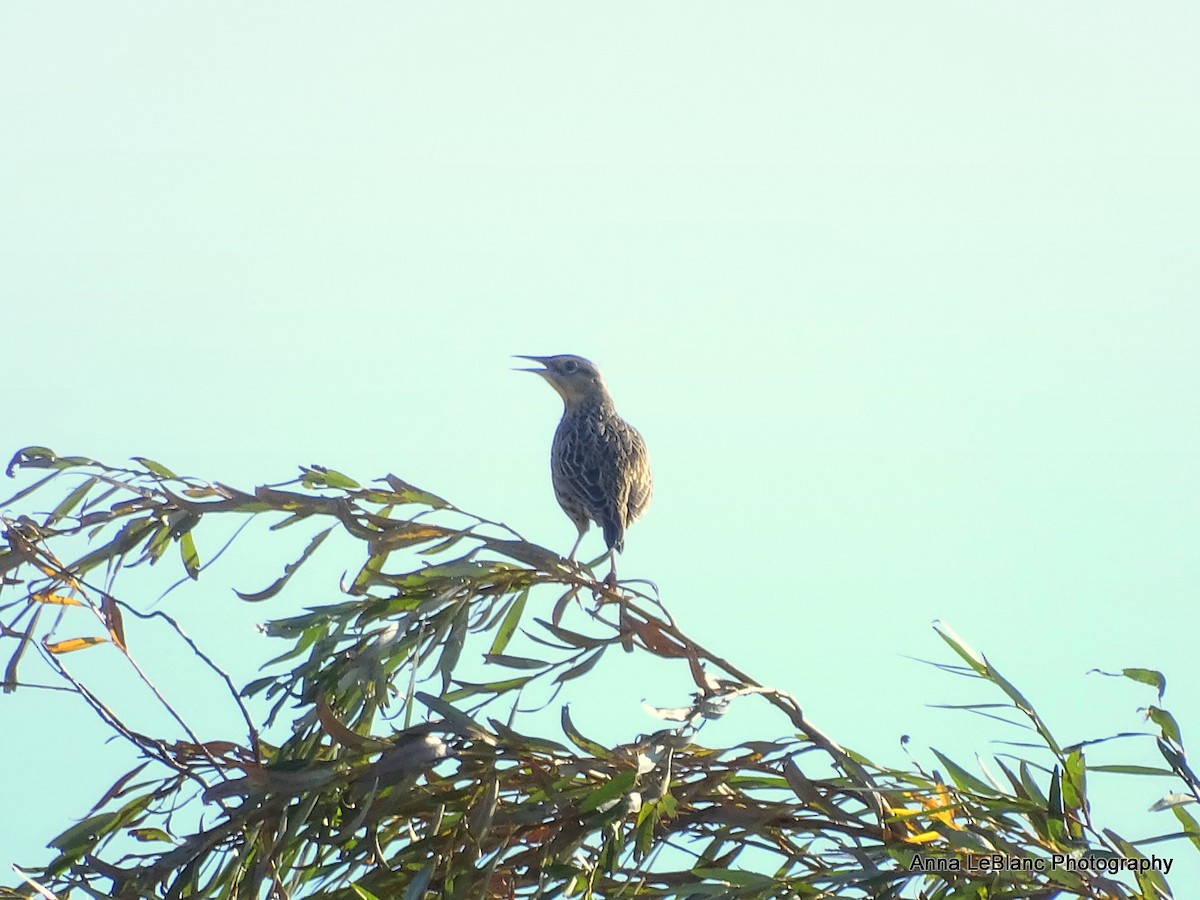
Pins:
x,y
576,379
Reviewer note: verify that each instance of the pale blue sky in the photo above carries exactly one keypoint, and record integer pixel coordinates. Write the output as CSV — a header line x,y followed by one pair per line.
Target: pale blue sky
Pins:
x,y
902,297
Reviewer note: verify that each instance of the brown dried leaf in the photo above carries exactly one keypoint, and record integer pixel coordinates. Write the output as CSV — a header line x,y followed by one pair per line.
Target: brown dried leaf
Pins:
x,y
656,642
113,620
343,735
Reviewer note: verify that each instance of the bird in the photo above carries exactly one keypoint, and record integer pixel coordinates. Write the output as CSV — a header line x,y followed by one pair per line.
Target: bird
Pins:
x,y
598,462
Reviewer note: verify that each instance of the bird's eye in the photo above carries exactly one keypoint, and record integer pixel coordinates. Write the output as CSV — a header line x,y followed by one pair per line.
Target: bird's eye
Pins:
x,y
570,366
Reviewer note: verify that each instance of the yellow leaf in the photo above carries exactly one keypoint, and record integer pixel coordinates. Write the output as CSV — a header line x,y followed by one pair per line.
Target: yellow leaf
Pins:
x,y
60,599
943,803
925,837
74,644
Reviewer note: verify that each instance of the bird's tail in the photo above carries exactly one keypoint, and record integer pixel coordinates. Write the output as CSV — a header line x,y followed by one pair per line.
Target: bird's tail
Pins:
x,y
614,534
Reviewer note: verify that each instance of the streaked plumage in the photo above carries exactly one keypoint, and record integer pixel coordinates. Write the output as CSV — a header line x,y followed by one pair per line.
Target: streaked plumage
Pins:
x,y
598,461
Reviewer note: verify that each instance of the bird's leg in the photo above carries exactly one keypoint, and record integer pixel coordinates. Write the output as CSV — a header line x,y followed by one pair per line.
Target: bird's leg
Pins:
x,y
575,549
624,620
610,580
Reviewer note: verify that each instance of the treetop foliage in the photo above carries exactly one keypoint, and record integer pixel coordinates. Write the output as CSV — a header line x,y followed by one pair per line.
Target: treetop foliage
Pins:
x,y
372,762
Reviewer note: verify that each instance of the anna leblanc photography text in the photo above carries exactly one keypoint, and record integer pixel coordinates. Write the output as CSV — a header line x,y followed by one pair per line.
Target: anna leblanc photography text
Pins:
x,y
1001,862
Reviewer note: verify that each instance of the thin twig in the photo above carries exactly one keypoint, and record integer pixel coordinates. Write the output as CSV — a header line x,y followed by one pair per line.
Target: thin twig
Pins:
x,y
255,744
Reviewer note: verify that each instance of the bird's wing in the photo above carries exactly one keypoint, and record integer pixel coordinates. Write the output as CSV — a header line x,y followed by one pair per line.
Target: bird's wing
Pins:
x,y
637,471
580,469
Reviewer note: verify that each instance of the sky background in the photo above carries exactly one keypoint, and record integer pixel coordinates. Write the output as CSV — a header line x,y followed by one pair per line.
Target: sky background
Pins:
x,y
902,298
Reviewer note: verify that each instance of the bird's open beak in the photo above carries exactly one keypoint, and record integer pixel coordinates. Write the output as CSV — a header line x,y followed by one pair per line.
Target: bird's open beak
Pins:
x,y
536,359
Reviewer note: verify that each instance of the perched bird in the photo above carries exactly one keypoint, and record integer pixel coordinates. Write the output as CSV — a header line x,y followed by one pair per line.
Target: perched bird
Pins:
x,y
598,461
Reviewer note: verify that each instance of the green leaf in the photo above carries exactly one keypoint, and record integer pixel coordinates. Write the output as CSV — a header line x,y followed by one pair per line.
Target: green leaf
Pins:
x,y
1148,676
84,833
1118,769
1190,826
32,458
336,479
583,743
293,519
370,572
963,840
156,468
120,786
525,552
560,870
509,626
581,668
363,892
514,662
1054,805
403,492
535,744
483,808
288,570
962,777
617,786
1018,787
1032,789
71,500
25,492
1166,722
1151,677
803,787
718,889
647,821
973,659
574,638
420,883
1022,704
738,877
1074,782
1019,699
456,719
468,689
150,834
187,551
1056,821
130,535
452,648
157,544
256,685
